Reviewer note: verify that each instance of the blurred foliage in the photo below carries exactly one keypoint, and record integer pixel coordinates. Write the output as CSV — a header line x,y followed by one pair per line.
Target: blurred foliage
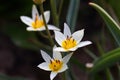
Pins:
x,y
116,7
20,36
16,30
13,9
110,22
13,27
106,60
5,77
72,13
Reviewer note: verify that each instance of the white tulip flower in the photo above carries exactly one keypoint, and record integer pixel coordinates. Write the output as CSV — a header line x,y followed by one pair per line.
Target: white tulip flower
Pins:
x,y
68,41
56,65
36,23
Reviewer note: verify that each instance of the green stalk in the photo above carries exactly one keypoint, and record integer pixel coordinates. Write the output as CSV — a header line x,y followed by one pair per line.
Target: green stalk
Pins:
x,y
118,66
109,75
48,32
43,35
91,54
100,49
107,71
54,13
60,7
63,76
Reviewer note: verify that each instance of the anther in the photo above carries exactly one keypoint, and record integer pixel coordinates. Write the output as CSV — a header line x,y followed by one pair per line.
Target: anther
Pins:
x,y
54,65
51,61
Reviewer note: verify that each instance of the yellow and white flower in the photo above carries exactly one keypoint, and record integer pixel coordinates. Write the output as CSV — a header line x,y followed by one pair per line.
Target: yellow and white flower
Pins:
x,y
68,41
56,65
36,23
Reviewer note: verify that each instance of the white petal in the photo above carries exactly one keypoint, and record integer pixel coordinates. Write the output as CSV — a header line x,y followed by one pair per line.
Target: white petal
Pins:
x,y
64,67
78,35
30,29
34,12
60,49
74,48
67,31
47,16
54,47
45,56
38,29
52,75
84,43
59,37
28,21
44,66
67,58
57,55
51,27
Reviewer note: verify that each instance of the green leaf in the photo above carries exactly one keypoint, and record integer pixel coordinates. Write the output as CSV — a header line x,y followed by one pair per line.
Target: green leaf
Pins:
x,y
116,6
109,75
110,22
72,13
106,60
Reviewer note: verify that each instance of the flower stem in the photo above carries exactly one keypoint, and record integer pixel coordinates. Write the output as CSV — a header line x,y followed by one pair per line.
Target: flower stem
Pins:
x,y
54,13
60,7
63,76
48,32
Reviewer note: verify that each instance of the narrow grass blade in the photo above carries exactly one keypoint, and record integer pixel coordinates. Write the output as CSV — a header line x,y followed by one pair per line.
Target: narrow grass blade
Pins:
x,y
106,60
72,13
110,22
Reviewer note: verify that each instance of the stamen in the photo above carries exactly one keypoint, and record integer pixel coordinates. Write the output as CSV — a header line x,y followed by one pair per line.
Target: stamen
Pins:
x,y
73,40
50,61
36,17
69,43
67,37
70,37
37,23
55,65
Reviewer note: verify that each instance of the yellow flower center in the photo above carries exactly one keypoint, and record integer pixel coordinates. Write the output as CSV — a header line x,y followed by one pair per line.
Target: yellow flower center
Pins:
x,y
69,43
55,65
37,23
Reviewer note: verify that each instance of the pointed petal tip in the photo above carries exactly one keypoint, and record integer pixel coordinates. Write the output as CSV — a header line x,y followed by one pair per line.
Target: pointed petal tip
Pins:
x,y
33,6
30,29
65,23
67,57
44,66
53,75
83,29
22,17
84,43
45,56
67,31
48,11
89,42
60,49
54,28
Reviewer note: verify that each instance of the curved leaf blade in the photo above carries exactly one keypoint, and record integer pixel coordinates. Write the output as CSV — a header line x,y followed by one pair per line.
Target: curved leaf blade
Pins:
x,y
106,60
110,22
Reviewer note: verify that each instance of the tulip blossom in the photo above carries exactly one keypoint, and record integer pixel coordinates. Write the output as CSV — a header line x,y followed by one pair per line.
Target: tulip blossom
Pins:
x,y
36,23
68,41
56,65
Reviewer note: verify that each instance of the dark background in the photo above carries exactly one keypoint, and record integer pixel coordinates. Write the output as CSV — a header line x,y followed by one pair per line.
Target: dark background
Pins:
x,y
19,56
